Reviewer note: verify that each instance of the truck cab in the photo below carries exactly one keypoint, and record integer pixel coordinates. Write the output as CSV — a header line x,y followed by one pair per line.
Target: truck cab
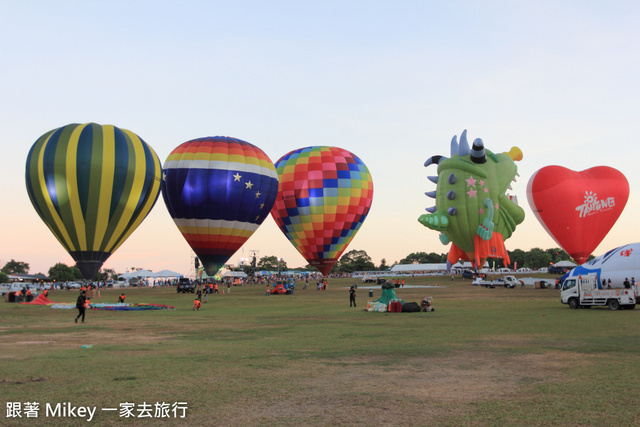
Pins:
x,y
583,291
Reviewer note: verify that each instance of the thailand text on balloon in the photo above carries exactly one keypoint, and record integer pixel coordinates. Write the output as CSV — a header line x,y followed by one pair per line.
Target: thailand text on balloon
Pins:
x,y
92,185
325,195
218,190
472,209
577,208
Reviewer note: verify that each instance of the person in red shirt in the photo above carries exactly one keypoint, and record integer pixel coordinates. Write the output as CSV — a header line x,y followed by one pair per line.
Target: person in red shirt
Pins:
x,y
196,305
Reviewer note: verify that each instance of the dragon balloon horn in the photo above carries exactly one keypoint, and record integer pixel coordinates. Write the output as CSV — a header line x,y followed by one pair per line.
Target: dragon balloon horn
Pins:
x,y
473,210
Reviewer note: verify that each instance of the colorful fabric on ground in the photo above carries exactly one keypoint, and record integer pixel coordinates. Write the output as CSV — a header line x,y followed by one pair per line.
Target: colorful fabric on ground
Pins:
x,y
117,306
41,300
130,307
63,305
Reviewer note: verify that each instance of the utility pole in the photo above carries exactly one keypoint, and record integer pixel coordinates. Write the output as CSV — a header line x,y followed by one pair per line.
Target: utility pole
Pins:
x,y
254,259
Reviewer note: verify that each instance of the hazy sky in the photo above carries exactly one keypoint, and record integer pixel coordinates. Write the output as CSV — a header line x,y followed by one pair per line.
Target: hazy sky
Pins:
x,y
391,81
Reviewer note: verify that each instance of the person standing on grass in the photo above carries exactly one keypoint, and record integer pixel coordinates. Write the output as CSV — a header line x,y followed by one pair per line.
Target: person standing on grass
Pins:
x,y
80,305
352,296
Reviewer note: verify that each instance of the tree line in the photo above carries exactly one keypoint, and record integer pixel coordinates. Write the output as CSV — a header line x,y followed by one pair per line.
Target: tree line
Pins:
x,y
355,260
358,260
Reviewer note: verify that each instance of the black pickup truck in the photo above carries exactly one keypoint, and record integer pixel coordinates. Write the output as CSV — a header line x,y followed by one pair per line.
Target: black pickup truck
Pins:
x,y
185,286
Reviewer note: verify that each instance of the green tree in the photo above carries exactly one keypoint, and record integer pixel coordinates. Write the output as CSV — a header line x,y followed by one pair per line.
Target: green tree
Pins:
x,y
537,258
4,277
424,258
16,267
558,255
356,260
517,257
63,273
272,263
383,265
110,274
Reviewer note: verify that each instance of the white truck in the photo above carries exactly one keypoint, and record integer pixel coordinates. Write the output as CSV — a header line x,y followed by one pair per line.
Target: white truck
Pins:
x,y
583,291
506,281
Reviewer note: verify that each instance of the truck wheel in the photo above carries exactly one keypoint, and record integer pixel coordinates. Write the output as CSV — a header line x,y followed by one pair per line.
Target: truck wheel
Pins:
x,y
573,303
613,304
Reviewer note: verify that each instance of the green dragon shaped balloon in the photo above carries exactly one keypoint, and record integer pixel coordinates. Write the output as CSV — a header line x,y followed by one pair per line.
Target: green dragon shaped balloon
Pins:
x,y
473,210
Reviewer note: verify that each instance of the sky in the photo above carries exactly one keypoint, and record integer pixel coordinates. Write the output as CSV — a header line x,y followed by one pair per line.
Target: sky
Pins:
x,y
390,81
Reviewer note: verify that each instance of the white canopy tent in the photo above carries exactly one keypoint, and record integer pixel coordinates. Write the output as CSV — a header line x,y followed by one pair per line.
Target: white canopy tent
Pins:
x,y
167,273
137,273
564,264
468,265
146,273
407,268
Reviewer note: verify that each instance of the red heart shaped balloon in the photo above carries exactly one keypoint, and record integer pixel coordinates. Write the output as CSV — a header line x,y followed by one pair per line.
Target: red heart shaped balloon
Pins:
x,y
577,208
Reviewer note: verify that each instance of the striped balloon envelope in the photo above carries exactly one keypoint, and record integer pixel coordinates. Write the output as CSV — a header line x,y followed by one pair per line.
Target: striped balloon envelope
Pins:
x,y
325,195
92,185
218,190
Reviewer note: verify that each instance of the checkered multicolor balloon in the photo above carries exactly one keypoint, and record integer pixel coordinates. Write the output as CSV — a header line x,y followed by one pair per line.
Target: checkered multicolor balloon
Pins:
x,y
324,196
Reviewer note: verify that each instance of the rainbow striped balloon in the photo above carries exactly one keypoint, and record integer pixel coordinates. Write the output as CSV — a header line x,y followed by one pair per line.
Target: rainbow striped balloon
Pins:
x,y
218,190
325,195
92,185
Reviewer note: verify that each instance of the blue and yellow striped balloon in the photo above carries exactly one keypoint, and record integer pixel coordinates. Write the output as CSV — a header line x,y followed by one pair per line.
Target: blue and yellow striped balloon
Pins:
x,y
92,185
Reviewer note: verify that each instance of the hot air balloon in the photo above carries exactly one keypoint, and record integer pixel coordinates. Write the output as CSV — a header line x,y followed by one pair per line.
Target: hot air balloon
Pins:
x,y
473,210
218,190
577,208
325,195
92,185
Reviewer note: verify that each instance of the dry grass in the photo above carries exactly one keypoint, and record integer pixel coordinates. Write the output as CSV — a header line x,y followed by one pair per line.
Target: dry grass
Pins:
x,y
484,357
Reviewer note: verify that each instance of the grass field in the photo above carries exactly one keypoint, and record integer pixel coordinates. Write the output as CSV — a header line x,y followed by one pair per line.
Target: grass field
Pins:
x,y
483,357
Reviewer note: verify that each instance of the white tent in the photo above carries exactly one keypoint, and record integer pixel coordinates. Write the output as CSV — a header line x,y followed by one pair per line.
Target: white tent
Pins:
x,y
468,264
167,273
407,268
564,264
137,273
